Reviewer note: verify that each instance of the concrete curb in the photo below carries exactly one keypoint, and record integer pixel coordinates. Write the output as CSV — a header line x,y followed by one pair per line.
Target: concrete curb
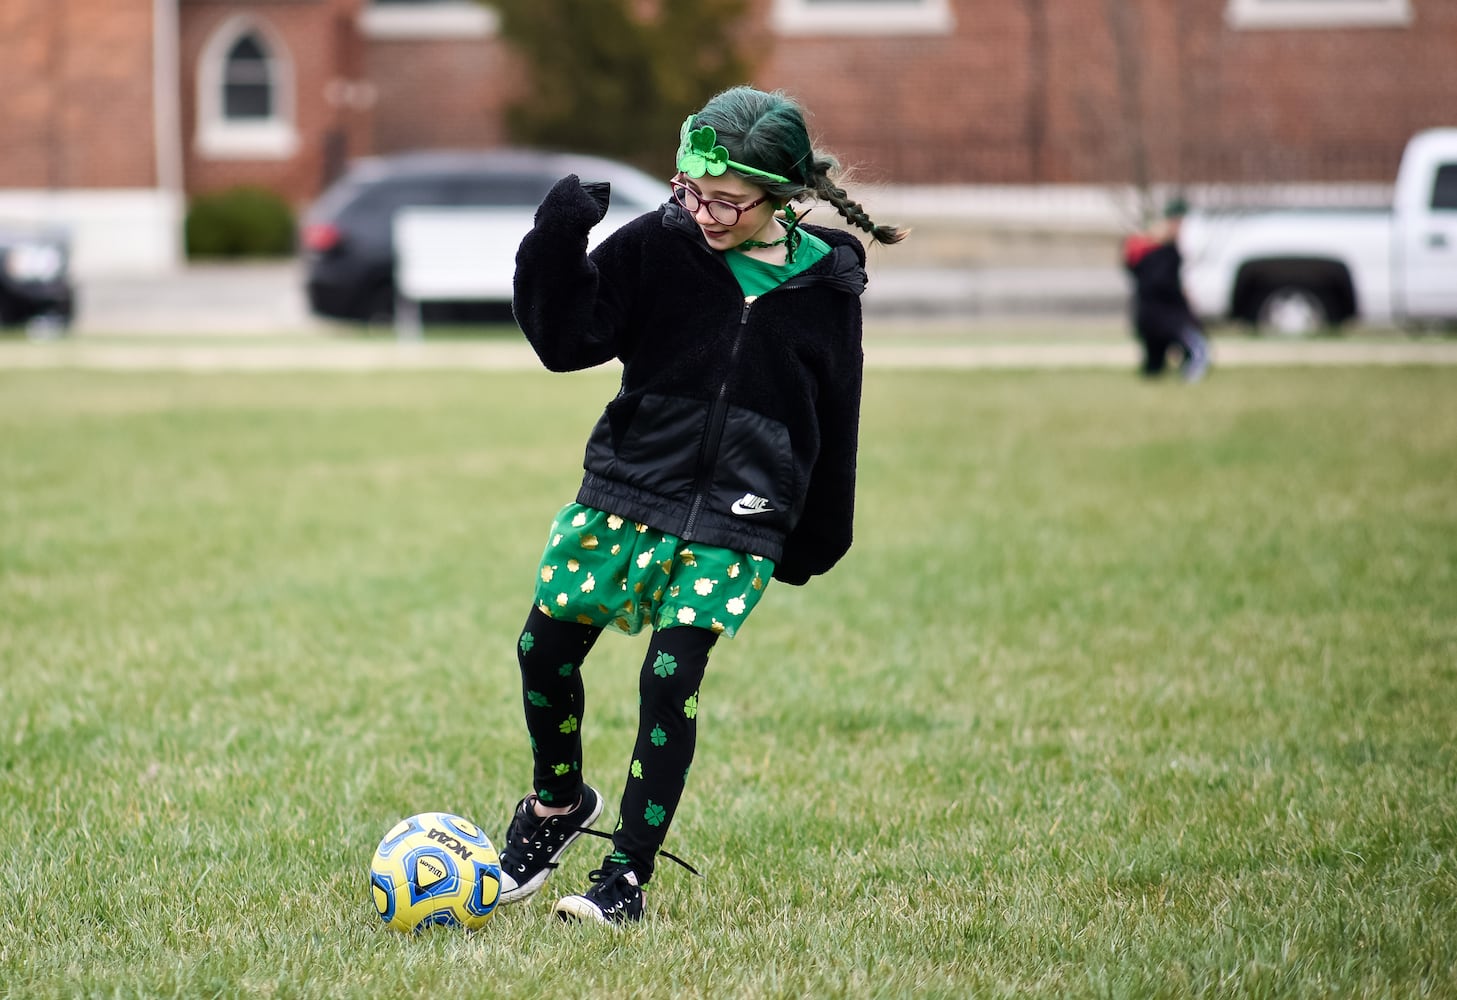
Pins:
x,y
263,299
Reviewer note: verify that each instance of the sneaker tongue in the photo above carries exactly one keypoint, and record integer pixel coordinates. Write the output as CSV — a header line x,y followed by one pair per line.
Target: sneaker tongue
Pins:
x,y
631,876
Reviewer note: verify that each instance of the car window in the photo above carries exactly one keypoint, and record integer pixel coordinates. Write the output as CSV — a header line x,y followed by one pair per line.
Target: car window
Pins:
x,y
504,190
338,198
1444,190
383,198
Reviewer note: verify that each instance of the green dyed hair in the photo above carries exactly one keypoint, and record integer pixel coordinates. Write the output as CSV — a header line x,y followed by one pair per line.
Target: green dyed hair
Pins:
x,y
767,130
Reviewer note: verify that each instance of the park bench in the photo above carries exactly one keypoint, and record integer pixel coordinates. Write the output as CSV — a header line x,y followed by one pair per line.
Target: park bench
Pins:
x,y
453,254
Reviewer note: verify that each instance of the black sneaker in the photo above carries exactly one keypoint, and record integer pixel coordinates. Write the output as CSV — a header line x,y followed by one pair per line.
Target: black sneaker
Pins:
x,y
615,897
534,844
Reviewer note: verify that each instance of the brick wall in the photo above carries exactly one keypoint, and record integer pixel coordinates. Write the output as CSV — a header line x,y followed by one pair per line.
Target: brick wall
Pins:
x,y
1021,92
917,107
1099,91
435,93
1324,105
76,80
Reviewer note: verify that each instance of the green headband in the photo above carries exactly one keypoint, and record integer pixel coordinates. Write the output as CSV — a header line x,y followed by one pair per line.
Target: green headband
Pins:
x,y
699,154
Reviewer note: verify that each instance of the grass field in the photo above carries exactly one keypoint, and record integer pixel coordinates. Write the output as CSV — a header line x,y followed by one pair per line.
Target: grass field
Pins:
x,y
1126,690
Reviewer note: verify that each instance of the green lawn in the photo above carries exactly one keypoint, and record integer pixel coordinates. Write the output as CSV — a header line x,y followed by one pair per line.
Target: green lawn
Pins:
x,y
1126,690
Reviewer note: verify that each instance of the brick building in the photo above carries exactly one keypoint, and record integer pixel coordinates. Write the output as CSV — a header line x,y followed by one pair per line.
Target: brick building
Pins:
x,y
1118,91
115,111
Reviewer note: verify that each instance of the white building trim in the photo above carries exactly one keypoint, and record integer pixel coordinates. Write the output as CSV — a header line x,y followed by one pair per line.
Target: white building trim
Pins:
x,y
167,94
416,21
1317,13
165,209
862,17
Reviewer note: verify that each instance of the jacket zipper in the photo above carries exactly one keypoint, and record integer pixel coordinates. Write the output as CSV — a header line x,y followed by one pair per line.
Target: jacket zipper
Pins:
x,y
713,436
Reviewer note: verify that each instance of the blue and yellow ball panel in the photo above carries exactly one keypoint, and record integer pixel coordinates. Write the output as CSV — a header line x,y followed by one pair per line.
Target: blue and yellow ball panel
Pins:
x,y
382,888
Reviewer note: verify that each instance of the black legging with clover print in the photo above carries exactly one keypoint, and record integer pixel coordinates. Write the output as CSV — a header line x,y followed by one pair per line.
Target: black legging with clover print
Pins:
x,y
551,653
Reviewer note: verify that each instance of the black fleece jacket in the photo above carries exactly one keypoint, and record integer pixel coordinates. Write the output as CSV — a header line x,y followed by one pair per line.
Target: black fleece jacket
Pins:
x,y
1160,309
737,419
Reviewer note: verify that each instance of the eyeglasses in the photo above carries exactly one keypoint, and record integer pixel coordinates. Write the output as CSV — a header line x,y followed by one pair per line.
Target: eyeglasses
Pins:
x,y
725,213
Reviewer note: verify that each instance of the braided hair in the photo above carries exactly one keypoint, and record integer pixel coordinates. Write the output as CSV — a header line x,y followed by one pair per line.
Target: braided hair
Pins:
x,y
767,130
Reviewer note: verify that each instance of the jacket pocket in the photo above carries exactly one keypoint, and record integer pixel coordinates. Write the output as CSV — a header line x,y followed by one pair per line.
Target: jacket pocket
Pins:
x,y
651,442
754,480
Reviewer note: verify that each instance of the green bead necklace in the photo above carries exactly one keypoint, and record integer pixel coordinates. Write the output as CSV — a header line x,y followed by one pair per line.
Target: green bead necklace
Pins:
x,y
791,237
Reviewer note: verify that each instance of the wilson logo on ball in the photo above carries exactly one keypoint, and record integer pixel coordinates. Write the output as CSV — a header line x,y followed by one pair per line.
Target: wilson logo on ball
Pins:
x,y
428,871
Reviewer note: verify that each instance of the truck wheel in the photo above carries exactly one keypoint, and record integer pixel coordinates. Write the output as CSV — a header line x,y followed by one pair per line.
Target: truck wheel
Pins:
x,y
1292,311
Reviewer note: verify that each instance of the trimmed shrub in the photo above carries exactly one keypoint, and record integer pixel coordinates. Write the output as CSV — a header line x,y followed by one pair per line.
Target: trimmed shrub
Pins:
x,y
240,222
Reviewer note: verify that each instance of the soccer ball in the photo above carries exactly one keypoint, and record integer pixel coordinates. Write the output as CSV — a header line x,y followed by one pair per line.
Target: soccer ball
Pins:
x,y
435,868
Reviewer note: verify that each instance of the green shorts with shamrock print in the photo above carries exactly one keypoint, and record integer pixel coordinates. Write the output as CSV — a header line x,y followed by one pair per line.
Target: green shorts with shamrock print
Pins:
x,y
600,569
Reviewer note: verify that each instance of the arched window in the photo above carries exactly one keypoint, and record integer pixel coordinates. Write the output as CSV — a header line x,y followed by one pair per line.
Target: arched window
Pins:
x,y
247,80
245,99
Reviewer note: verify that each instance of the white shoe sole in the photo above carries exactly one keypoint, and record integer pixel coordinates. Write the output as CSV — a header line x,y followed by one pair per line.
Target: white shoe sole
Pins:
x,y
570,908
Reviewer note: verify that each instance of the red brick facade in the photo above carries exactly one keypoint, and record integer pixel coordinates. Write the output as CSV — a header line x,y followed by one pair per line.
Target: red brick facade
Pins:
x,y
1019,92
1304,105
1070,91
76,80
441,93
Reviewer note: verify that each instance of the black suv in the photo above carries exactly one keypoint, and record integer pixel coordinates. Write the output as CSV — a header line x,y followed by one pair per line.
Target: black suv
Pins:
x,y
35,284
346,237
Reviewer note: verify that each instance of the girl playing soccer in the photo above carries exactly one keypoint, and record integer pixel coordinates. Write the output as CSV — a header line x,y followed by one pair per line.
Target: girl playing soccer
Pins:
x,y
726,459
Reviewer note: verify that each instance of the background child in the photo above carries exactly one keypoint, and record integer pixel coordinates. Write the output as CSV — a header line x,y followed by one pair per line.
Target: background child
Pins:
x,y
726,459
1161,315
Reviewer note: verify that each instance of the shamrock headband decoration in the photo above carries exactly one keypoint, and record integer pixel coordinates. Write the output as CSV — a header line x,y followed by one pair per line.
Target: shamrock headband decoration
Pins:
x,y
699,154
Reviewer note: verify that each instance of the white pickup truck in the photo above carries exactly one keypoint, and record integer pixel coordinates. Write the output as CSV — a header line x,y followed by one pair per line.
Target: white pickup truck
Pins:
x,y
1301,270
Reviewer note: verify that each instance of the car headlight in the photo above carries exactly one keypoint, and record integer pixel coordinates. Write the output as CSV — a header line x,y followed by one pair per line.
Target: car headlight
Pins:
x,y
34,262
